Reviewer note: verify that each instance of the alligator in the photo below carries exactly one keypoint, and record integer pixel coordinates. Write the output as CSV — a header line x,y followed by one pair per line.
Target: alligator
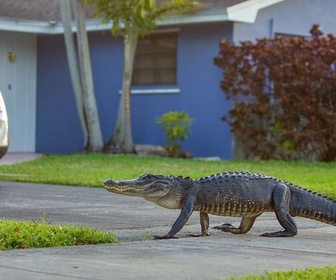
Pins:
x,y
237,194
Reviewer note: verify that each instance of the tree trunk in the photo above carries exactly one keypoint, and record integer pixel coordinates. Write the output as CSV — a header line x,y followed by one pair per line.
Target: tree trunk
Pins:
x,y
73,66
122,136
95,138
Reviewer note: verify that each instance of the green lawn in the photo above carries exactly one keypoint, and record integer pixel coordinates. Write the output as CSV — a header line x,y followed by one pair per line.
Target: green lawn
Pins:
x,y
324,273
92,169
22,235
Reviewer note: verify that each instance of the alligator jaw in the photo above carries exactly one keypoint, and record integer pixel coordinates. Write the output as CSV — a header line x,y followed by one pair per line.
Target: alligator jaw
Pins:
x,y
137,188
123,187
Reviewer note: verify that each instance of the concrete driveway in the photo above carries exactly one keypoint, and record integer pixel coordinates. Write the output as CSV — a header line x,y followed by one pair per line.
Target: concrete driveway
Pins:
x,y
138,256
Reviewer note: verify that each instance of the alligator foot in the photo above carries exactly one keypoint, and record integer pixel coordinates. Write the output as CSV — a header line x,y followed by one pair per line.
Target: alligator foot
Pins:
x,y
280,233
198,235
164,237
225,227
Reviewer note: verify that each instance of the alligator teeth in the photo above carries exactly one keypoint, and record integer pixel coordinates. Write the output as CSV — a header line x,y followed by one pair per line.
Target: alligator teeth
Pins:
x,y
125,188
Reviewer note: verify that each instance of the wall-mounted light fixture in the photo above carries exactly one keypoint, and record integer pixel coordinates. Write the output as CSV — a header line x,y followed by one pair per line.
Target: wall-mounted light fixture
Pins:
x,y
11,56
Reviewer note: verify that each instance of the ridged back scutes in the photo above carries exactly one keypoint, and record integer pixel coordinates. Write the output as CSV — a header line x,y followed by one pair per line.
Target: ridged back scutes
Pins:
x,y
247,176
250,176
312,192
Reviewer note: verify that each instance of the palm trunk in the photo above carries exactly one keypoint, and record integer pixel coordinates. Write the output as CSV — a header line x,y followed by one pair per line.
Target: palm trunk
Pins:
x,y
95,142
73,66
122,136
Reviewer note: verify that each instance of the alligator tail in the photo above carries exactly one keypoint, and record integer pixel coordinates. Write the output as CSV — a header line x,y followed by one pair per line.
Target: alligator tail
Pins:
x,y
307,204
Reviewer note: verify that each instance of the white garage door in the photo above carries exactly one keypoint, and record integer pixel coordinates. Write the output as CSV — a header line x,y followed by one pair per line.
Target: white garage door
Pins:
x,y
18,86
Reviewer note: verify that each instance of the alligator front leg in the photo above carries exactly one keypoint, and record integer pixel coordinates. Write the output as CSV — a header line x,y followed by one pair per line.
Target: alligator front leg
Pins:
x,y
182,218
245,225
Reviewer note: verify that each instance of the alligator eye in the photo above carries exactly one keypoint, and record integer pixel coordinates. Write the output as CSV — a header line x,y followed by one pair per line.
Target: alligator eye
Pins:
x,y
146,176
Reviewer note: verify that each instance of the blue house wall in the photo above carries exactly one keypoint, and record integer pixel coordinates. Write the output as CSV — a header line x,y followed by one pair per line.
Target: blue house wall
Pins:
x,y
58,129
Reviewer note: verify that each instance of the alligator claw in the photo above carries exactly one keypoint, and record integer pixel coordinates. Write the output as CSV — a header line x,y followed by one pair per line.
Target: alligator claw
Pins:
x,y
164,237
280,233
195,235
198,235
224,227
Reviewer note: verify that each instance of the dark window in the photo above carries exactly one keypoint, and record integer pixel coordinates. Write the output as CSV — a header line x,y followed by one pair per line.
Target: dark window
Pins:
x,y
156,60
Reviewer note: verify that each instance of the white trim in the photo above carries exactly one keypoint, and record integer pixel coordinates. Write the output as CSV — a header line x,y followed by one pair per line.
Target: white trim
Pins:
x,y
247,11
206,16
243,12
35,27
155,91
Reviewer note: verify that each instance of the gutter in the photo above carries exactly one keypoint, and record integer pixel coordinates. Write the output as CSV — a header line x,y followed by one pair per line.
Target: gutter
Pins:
x,y
245,12
52,27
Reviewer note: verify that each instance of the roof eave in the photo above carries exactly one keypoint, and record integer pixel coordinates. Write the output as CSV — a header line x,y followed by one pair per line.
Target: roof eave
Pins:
x,y
247,11
24,26
96,25
243,12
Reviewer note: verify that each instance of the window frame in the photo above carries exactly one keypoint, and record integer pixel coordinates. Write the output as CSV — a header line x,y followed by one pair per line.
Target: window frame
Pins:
x,y
157,64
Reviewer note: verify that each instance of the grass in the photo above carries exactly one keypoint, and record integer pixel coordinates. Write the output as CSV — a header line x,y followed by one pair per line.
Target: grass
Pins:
x,y
22,235
92,169
312,273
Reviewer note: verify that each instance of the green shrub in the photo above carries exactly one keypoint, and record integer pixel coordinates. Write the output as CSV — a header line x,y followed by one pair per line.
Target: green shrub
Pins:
x,y
176,126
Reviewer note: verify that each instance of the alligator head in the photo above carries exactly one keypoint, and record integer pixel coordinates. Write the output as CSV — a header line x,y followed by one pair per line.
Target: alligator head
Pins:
x,y
166,191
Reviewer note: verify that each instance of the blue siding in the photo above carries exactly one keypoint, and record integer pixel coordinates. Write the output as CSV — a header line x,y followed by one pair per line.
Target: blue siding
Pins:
x,y
198,80
107,65
57,126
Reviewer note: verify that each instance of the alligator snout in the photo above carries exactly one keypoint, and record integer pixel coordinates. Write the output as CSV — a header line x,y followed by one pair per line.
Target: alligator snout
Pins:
x,y
108,182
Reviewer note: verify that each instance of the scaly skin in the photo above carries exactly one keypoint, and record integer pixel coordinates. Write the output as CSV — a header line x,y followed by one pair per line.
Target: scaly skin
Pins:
x,y
238,194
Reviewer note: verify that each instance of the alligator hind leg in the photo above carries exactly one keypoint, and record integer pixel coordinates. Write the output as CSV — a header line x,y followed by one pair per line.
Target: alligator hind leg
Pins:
x,y
245,225
281,199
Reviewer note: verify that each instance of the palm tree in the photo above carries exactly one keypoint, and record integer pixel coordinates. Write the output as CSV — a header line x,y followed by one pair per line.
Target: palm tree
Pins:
x,y
81,75
131,19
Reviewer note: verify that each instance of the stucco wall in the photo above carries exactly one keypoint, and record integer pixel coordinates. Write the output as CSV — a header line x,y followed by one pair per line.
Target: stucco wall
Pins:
x,y
198,81
57,126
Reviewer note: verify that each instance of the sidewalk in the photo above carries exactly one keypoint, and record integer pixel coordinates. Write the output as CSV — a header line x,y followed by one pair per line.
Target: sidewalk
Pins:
x,y
12,158
138,256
